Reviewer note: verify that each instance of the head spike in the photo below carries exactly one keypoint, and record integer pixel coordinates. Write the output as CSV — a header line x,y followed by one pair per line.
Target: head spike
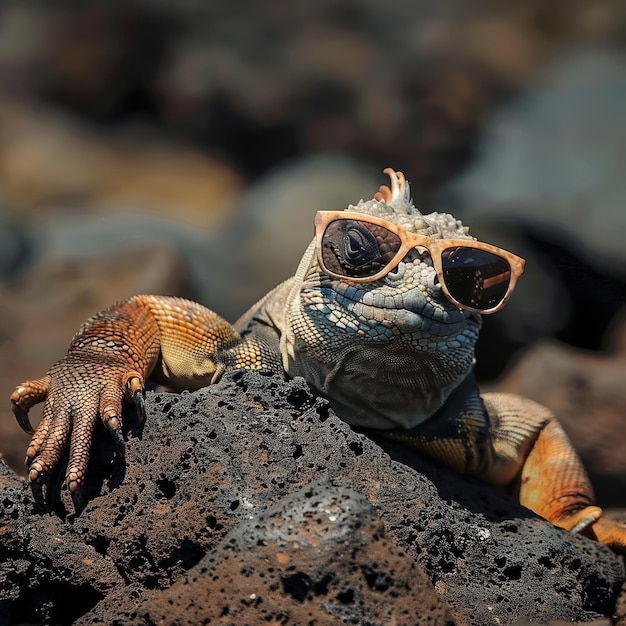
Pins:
x,y
383,194
392,198
399,195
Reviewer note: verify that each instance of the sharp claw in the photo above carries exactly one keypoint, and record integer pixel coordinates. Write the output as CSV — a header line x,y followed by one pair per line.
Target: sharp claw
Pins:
x,y
136,390
39,497
118,441
140,406
118,471
45,483
22,418
583,524
78,498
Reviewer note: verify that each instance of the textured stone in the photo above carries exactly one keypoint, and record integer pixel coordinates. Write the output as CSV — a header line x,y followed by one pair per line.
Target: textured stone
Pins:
x,y
212,468
47,576
320,555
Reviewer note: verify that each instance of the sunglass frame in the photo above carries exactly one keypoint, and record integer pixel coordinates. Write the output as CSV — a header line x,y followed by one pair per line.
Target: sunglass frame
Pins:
x,y
408,241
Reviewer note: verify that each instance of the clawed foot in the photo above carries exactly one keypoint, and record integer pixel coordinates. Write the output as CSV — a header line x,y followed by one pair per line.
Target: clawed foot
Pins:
x,y
25,397
578,522
74,399
609,532
591,522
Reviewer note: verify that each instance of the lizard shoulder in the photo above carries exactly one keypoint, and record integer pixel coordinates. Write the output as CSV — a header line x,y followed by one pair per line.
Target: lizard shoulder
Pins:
x,y
262,326
268,312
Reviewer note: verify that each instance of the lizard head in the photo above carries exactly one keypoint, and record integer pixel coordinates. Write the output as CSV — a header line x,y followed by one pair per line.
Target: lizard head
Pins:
x,y
371,322
395,204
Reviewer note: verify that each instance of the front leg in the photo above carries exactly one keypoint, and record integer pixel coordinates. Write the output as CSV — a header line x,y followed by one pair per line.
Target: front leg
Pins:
x,y
175,341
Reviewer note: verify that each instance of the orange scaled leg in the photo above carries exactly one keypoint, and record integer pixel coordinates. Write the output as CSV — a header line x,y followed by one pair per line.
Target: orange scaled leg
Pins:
x,y
554,484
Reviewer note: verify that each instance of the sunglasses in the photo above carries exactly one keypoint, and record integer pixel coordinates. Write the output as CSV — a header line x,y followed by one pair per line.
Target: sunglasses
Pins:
x,y
359,248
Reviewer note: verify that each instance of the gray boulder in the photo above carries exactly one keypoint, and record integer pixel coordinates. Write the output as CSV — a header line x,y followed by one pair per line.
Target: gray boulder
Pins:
x,y
548,184
554,156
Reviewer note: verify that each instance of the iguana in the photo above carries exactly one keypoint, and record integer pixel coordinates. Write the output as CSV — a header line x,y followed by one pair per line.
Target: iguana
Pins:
x,y
381,317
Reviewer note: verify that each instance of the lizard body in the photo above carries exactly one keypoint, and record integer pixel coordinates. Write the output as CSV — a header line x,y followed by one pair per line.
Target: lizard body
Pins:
x,y
393,353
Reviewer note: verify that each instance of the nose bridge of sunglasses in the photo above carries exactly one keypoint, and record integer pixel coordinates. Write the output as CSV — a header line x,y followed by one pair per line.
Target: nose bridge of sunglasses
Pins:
x,y
423,252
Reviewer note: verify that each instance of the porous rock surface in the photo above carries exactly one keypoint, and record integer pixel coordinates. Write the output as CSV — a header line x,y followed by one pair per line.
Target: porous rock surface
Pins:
x,y
251,502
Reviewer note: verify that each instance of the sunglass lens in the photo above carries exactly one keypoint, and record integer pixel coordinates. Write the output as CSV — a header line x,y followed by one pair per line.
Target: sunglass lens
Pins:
x,y
357,249
476,278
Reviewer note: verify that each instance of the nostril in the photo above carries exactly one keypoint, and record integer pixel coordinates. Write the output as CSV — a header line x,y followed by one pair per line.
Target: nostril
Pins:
x,y
398,272
423,255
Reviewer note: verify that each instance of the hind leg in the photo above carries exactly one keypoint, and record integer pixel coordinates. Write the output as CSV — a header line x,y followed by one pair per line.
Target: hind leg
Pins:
x,y
552,480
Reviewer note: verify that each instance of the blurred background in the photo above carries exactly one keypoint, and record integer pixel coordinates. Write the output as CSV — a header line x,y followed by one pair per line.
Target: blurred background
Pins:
x,y
183,147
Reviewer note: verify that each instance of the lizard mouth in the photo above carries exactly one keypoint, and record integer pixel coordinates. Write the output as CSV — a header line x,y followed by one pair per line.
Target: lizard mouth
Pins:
x,y
413,301
436,311
411,313
439,323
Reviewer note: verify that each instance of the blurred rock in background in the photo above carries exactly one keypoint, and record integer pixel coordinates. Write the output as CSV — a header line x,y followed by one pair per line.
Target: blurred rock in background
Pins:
x,y
183,148
551,163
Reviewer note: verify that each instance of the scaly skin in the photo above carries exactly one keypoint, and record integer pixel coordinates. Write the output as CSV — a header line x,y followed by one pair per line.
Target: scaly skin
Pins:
x,y
393,355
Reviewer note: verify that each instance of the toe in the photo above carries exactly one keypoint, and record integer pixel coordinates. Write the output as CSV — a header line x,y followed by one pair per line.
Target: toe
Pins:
x,y
84,419
110,414
609,532
26,396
